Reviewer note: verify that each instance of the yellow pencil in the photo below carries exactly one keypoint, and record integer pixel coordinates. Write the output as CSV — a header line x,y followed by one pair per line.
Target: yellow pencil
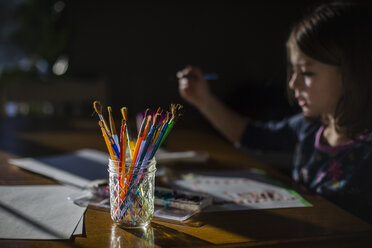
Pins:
x,y
108,144
124,113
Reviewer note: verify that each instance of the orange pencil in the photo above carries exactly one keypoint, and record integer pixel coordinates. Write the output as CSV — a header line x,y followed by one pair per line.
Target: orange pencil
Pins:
x,y
123,146
159,129
138,144
98,108
122,158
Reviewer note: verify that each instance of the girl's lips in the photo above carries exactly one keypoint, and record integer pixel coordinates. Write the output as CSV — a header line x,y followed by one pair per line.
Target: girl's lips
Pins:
x,y
302,102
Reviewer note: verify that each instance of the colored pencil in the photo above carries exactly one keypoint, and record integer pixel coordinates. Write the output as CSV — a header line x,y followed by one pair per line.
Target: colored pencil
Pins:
x,y
112,127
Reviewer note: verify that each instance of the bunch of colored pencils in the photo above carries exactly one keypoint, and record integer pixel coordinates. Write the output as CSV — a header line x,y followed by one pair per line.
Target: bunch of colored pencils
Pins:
x,y
154,130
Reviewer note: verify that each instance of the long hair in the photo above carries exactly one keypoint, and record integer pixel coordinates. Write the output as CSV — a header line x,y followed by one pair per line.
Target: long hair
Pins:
x,y
340,34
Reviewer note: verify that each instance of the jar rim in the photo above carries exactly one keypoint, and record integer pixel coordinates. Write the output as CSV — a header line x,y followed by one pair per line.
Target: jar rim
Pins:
x,y
146,166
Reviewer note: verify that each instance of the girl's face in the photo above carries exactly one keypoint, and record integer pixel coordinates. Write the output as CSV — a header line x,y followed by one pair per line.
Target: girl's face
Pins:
x,y
317,86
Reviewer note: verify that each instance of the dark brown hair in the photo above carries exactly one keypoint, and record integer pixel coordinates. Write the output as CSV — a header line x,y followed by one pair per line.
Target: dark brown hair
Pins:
x,y
340,34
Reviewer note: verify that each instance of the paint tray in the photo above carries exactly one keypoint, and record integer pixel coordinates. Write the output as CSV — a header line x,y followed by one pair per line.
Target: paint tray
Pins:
x,y
180,199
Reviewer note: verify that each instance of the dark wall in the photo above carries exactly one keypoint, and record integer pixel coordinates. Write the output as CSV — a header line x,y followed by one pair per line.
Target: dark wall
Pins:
x,y
139,47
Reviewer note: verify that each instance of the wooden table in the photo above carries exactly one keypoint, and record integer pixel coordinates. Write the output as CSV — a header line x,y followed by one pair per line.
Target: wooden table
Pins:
x,y
323,225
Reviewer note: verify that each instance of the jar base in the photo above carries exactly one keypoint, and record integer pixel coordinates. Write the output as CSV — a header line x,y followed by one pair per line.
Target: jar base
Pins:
x,y
123,226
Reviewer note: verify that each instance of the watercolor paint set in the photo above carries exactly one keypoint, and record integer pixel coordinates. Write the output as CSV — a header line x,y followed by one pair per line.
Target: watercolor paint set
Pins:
x,y
181,199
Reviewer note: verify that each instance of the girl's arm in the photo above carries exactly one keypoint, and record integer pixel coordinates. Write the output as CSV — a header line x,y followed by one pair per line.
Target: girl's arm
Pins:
x,y
228,122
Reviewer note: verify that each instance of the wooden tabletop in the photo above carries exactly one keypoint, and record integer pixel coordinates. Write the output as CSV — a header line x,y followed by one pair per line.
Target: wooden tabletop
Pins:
x,y
323,225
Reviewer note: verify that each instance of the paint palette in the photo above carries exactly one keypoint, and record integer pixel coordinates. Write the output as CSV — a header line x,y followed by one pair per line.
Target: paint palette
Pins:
x,y
181,199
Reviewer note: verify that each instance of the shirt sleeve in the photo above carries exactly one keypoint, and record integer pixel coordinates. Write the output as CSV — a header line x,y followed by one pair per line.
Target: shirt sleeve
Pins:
x,y
272,135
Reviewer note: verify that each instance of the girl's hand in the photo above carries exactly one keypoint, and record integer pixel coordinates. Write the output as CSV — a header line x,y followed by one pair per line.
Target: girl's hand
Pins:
x,y
192,86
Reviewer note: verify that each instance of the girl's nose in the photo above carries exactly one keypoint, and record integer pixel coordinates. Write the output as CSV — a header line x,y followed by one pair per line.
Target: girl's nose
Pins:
x,y
295,81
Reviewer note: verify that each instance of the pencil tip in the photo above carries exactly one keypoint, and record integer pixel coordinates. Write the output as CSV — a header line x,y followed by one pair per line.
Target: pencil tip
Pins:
x,y
97,107
158,110
147,112
124,113
156,119
100,124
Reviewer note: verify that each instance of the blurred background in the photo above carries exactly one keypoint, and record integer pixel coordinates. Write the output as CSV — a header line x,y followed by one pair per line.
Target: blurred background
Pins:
x,y
57,56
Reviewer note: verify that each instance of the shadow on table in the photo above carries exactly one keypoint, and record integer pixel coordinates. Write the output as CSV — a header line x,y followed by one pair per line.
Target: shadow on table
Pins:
x,y
11,141
154,234
251,226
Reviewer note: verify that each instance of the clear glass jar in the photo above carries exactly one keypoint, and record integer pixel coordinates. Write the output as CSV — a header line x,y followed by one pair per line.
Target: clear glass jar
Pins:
x,y
132,193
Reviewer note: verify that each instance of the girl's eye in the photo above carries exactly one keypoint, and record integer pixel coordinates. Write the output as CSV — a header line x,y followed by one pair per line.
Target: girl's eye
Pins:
x,y
307,73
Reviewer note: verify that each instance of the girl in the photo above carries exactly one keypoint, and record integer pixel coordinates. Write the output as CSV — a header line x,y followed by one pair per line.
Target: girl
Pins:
x,y
330,76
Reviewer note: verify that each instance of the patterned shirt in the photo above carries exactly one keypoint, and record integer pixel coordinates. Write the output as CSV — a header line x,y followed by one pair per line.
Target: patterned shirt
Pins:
x,y
342,174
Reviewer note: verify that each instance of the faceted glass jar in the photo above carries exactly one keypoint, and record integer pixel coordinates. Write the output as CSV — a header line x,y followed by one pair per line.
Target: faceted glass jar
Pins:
x,y
132,193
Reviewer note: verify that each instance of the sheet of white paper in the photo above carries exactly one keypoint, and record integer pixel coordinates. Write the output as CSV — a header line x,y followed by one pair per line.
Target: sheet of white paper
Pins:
x,y
38,212
83,166
163,156
241,193
77,169
80,227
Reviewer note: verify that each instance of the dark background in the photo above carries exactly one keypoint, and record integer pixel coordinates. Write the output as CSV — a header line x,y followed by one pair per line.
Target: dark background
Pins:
x,y
137,48
140,47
